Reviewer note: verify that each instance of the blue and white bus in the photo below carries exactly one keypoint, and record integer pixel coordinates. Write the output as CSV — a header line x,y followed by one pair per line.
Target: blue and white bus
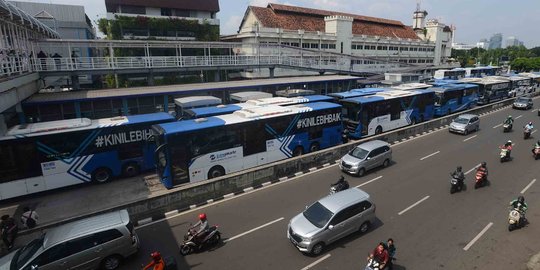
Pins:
x,y
490,89
411,86
480,72
454,74
452,98
204,148
360,92
230,108
48,155
520,85
370,115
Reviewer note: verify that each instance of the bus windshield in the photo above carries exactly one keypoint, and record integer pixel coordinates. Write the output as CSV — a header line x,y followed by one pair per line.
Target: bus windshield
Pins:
x,y
350,111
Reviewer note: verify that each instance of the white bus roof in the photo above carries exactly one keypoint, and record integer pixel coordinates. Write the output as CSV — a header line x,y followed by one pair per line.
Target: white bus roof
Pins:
x,y
511,78
197,101
49,126
294,92
245,96
410,86
530,75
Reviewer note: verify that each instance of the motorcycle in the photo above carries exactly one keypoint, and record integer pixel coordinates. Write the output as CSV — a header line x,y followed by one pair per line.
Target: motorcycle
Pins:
x,y
504,155
480,179
507,127
526,133
536,153
455,185
373,265
189,245
335,188
516,219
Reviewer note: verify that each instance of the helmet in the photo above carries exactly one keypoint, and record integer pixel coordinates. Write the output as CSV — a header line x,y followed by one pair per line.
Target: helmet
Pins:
x,y
202,216
483,164
509,142
521,199
156,256
530,123
459,168
509,117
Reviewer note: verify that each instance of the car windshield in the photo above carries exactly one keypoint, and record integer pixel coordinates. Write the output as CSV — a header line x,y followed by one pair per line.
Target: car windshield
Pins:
x,y
461,120
318,215
23,255
522,100
359,153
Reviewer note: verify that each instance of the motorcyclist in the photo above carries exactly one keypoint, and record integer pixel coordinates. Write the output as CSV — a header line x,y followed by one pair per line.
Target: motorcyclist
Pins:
x,y
519,204
509,120
157,262
536,146
201,228
529,127
508,147
380,254
459,175
483,170
341,184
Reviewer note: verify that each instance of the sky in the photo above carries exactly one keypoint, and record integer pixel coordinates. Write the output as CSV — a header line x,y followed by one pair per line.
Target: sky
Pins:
x,y
473,19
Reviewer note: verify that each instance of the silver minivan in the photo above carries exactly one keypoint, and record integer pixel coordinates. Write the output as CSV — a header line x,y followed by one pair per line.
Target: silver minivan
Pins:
x,y
330,219
366,156
465,124
101,241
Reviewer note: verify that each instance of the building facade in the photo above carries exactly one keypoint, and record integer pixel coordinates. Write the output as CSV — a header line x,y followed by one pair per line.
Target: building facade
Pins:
x,y
513,41
495,42
162,19
368,40
69,21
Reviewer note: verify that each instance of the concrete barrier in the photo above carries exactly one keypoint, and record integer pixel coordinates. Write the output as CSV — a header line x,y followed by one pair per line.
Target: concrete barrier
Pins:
x,y
185,197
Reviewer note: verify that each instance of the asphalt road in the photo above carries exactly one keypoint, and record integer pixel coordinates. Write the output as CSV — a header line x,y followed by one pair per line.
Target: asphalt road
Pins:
x,y
437,232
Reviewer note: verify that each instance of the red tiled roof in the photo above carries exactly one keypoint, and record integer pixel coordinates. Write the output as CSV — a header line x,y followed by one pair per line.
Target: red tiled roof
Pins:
x,y
294,18
202,5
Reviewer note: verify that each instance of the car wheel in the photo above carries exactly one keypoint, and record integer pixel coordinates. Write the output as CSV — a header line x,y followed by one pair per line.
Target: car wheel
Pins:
x,y
466,132
361,172
111,262
364,227
386,163
317,249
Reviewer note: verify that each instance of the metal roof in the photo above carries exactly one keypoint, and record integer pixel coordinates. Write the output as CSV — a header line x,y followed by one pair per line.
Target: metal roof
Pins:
x,y
18,16
181,89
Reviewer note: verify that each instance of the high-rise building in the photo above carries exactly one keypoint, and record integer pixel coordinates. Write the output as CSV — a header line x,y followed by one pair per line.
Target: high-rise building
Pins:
x,y
162,19
495,42
513,41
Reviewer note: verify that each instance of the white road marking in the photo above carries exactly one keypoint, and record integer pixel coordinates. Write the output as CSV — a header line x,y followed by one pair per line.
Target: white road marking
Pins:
x,y
470,138
473,168
252,230
528,186
432,154
374,179
478,236
534,110
534,131
316,262
497,125
519,116
415,204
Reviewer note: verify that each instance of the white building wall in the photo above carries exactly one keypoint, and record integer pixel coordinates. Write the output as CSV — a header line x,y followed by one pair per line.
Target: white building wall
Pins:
x,y
341,27
153,11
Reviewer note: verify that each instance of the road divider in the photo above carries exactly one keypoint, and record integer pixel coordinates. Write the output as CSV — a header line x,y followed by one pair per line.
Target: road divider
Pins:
x,y
252,230
469,245
430,155
372,180
317,262
528,186
414,204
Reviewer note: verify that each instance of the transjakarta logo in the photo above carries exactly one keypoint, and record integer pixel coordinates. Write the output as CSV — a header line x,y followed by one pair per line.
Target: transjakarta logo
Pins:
x,y
318,120
124,137
222,155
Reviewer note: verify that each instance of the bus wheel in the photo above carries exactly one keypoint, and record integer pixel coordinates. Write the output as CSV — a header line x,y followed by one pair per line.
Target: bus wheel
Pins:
x,y
101,175
131,169
216,171
378,130
298,151
413,121
314,147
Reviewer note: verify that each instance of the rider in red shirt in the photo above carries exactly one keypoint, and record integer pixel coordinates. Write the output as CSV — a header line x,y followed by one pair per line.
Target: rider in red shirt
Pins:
x,y
380,254
157,262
